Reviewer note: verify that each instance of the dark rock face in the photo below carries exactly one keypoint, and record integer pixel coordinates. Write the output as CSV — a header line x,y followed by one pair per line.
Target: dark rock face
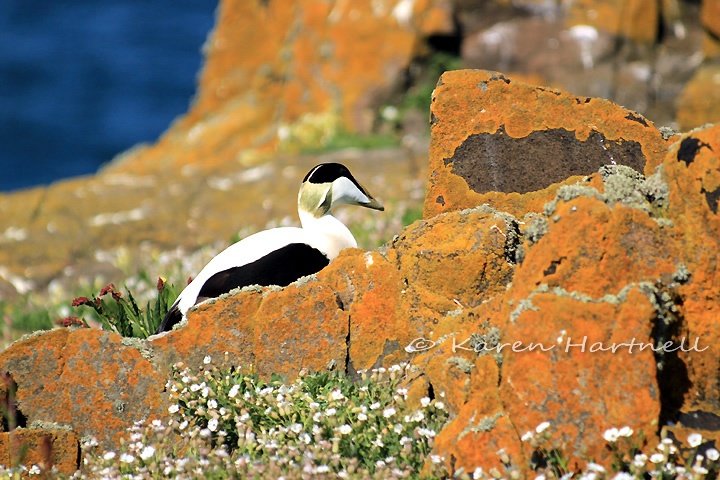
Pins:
x,y
496,162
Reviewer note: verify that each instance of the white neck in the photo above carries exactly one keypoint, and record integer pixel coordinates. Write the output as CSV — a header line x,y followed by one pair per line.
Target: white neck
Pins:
x,y
330,234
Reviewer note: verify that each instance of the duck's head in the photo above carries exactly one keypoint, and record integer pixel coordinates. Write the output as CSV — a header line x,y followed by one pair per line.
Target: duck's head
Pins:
x,y
330,184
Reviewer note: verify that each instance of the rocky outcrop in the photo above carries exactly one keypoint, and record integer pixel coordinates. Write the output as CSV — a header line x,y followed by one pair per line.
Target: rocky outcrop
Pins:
x,y
544,312
699,103
512,138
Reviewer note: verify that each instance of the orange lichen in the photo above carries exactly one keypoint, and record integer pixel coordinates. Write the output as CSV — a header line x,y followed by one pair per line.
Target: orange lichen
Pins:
x,y
489,102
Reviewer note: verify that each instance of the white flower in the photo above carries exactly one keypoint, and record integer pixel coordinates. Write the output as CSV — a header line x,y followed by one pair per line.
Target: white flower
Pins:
x,y
639,460
375,406
712,454
594,467
426,432
322,469
436,458
405,440
317,416
234,391
527,437
700,470
389,412
362,417
126,458
542,427
205,392
425,401
305,438
183,425
195,387
212,424
336,395
380,464
212,403
624,476
316,429
657,458
418,416
109,455
625,432
296,427
344,429
402,391
398,428
330,412
611,435
540,477
477,474
147,452
207,360
694,440
34,470
440,405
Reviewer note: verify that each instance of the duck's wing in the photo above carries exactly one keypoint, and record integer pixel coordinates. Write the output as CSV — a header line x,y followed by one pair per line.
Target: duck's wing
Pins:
x,y
273,257
280,267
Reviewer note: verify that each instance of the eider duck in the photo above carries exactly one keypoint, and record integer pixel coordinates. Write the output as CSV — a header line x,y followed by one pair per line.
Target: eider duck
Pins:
x,y
280,256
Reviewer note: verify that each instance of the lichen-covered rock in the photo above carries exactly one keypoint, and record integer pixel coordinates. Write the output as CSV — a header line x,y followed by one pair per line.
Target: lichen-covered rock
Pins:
x,y
710,17
49,448
692,169
699,103
636,20
90,381
494,139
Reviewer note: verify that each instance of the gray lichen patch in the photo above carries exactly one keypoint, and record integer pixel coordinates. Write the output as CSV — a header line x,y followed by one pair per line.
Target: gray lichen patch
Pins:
x,y
141,345
682,274
622,185
567,193
43,425
462,364
668,132
537,227
656,190
485,424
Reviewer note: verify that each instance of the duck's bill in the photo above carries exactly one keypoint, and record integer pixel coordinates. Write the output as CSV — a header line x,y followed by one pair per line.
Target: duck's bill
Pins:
x,y
374,204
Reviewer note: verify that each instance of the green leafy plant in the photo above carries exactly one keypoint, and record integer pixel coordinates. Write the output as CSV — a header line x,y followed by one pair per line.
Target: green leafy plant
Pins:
x,y
121,313
22,315
419,96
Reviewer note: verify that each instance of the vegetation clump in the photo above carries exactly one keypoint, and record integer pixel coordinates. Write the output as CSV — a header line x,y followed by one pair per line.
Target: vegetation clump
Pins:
x,y
228,423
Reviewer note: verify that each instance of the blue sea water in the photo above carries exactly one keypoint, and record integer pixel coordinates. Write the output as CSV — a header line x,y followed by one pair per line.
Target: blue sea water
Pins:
x,y
83,80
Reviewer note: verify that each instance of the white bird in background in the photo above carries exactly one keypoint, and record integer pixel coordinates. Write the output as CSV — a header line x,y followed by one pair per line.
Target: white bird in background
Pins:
x,y
280,256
